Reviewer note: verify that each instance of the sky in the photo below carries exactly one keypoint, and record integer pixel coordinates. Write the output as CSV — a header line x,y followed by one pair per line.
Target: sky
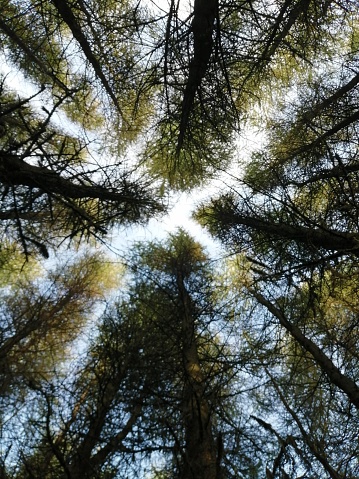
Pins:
x,y
182,205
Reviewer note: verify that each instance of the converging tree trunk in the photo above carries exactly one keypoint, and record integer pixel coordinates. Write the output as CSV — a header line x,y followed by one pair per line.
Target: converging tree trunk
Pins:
x,y
200,450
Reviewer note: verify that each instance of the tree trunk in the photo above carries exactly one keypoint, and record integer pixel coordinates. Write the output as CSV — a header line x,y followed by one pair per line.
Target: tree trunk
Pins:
x,y
343,382
204,16
200,449
332,240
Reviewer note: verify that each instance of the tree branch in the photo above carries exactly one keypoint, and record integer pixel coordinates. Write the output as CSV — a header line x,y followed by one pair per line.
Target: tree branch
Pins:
x,y
346,384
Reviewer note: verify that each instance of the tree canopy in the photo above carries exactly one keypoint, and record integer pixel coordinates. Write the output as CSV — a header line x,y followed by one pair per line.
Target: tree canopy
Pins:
x,y
183,365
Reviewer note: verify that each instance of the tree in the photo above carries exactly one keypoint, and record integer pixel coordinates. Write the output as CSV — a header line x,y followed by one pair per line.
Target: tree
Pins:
x,y
211,86
56,183
83,421
294,218
179,304
42,316
155,384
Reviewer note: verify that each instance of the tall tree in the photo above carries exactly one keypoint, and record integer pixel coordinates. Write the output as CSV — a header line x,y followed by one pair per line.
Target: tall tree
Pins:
x,y
222,63
174,282
294,218
86,426
157,383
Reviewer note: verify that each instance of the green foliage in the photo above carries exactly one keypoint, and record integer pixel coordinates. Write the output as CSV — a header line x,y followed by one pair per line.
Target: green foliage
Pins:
x,y
202,156
200,368
42,317
14,267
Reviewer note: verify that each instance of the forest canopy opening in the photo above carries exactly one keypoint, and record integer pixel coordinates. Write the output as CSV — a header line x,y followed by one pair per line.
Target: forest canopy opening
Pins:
x,y
239,366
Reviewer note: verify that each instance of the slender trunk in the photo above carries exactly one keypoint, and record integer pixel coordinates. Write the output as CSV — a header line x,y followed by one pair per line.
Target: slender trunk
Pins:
x,y
67,15
15,171
200,449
